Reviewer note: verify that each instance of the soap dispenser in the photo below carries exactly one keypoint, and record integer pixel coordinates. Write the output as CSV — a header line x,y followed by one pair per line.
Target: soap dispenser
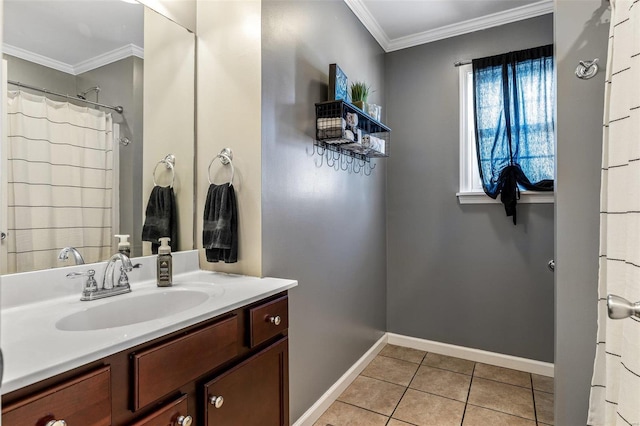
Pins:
x,y
124,246
165,266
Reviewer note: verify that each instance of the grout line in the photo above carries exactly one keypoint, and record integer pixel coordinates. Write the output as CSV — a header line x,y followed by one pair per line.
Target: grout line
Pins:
x,y
399,359
502,412
533,394
362,408
466,402
504,383
405,390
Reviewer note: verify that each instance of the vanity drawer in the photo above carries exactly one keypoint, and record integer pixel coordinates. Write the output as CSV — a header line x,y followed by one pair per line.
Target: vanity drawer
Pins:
x,y
268,320
85,400
170,414
164,368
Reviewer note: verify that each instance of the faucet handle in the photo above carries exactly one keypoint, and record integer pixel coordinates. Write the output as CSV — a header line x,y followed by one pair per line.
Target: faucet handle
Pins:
x,y
90,285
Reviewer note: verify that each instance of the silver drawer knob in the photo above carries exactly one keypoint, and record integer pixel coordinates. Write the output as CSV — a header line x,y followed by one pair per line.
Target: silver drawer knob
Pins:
x,y
275,320
216,401
185,420
56,423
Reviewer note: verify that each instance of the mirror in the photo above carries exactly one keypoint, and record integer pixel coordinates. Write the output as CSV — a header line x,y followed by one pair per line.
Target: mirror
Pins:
x,y
79,187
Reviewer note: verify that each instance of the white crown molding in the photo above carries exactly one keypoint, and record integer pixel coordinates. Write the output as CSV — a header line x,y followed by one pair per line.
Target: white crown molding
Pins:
x,y
371,24
79,68
38,59
540,8
108,58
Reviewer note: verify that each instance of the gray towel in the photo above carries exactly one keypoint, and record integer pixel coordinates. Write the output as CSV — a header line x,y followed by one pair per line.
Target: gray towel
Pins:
x,y
220,226
160,218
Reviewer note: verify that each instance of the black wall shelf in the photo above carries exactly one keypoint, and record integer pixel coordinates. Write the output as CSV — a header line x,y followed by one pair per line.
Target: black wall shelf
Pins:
x,y
334,131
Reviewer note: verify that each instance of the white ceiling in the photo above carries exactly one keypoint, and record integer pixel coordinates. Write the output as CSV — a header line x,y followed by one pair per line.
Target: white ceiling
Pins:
x,y
398,24
73,35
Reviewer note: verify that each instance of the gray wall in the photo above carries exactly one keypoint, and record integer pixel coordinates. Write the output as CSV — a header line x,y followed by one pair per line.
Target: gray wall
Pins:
x,y
40,76
581,29
324,227
460,274
121,84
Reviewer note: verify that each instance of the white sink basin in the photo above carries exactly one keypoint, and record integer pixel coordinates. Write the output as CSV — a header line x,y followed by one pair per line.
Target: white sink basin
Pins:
x,y
132,310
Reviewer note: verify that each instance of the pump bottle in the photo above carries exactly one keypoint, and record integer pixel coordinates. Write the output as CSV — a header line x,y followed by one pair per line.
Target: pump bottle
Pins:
x,y
124,246
165,263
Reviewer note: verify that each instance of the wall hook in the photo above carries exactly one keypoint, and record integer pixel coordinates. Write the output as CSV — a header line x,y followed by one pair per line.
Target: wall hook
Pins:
x,y
587,69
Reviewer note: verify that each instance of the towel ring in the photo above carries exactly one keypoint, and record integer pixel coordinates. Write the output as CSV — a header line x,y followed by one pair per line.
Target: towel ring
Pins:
x,y
169,161
225,156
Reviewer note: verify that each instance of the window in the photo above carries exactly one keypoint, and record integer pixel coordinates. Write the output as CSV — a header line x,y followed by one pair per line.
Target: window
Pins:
x,y
470,190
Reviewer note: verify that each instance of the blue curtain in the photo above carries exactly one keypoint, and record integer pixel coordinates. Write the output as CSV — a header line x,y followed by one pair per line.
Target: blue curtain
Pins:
x,y
514,109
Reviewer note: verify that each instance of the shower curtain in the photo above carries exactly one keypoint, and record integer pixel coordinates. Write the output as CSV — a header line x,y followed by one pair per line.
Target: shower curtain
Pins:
x,y
60,181
615,385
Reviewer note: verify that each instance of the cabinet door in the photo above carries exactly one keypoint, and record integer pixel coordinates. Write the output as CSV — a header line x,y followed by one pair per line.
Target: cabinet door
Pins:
x,y
254,393
172,414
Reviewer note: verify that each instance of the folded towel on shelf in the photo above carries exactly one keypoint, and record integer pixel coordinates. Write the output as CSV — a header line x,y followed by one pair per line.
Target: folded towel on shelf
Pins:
x,y
160,218
374,143
331,133
330,123
220,226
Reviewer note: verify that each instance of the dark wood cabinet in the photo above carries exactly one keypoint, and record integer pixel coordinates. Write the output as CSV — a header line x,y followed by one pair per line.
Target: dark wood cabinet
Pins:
x,y
242,355
84,400
175,413
161,369
254,393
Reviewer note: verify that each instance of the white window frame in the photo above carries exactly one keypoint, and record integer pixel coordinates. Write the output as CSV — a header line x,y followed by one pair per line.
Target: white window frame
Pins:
x,y
470,189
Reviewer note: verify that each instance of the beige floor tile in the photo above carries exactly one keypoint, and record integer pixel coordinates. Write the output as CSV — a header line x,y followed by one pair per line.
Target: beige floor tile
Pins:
x,y
504,375
449,363
391,370
542,383
442,382
373,394
544,407
424,409
478,416
341,414
394,422
502,397
400,352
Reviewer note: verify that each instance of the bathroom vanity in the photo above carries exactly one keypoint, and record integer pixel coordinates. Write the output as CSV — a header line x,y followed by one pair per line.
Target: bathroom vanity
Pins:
x,y
219,358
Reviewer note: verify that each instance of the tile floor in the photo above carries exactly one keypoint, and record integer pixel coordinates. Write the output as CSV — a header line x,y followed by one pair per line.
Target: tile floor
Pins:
x,y
404,387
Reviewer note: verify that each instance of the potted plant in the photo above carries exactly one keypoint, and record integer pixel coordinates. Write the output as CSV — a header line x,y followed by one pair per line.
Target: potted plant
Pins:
x,y
359,93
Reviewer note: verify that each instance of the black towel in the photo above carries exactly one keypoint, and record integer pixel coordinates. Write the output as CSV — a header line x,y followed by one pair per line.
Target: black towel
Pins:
x,y
161,220
220,227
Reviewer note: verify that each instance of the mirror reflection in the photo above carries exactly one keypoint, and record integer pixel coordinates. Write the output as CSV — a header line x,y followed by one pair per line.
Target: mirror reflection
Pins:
x,y
74,173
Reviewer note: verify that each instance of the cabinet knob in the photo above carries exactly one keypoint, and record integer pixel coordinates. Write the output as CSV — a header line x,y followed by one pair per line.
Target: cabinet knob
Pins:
x,y
275,320
185,420
56,423
216,401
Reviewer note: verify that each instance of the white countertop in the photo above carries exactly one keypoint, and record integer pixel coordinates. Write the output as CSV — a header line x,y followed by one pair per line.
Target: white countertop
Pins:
x,y
34,349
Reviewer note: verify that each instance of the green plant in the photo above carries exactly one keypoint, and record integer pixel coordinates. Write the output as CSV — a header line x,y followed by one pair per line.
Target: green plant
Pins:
x,y
359,91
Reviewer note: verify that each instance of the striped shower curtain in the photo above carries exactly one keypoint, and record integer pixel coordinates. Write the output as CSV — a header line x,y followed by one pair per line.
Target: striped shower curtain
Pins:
x,y
60,181
615,386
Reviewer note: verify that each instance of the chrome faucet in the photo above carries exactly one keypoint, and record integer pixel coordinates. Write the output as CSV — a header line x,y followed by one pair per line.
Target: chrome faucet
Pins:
x,y
64,255
91,291
123,281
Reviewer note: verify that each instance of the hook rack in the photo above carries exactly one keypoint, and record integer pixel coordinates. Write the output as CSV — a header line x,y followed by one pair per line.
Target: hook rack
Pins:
x,y
587,69
342,159
226,157
169,161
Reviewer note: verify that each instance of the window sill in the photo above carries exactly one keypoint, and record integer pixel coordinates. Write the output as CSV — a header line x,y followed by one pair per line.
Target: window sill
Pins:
x,y
526,197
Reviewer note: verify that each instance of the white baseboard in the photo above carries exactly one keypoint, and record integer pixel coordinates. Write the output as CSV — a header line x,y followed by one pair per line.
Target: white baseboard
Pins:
x,y
315,411
477,355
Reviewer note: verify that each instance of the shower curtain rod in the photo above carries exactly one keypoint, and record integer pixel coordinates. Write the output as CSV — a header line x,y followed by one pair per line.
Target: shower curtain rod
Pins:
x,y
461,63
117,109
